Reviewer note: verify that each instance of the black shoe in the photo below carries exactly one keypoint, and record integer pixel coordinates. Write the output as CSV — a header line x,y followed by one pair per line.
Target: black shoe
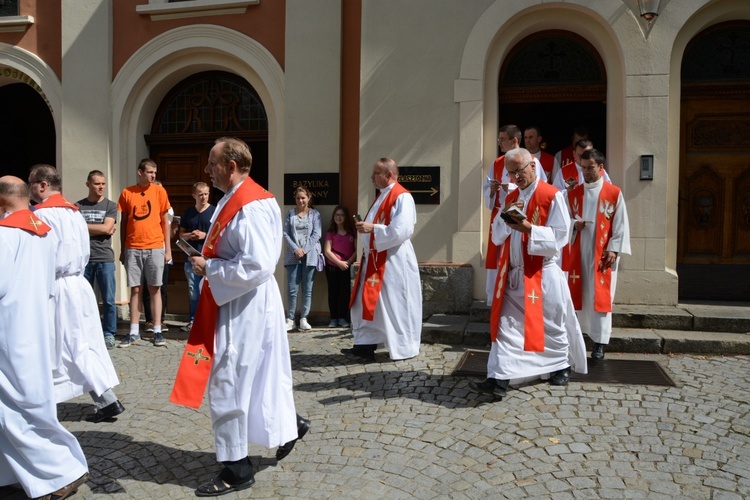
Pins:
x,y
560,377
597,353
303,425
109,411
218,486
498,388
366,351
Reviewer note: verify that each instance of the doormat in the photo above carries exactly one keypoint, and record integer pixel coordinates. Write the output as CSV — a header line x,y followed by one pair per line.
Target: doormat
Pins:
x,y
609,371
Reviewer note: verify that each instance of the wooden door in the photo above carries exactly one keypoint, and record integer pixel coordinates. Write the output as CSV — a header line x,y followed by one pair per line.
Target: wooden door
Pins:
x,y
714,207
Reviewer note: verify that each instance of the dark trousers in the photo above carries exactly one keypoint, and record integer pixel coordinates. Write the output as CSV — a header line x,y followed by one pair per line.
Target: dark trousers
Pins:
x,y
339,291
146,295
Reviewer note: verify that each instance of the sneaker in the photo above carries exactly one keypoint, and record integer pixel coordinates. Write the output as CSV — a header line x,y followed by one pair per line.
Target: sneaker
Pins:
x,y
333,324
164,327
304,325
149,326
109,341
289,325
343,323
129,340
159,340
187,327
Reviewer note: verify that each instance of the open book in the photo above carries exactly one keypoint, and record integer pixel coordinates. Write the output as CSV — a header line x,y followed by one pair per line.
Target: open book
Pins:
x,y
187,248
512,215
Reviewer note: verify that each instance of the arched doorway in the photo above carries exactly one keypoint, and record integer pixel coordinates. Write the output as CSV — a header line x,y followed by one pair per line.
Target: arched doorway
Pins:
x,y
713,255
196,112
27,129
556,80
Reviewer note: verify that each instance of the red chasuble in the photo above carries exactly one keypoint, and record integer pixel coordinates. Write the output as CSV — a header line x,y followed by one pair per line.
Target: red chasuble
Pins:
x,y
26,220
570,171
56,201
490,262
548,163
566,155
195,365
533,323
607,204
376,260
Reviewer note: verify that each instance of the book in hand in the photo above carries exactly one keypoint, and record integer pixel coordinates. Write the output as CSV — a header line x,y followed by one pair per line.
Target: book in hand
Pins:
x,y
512,215
571,182
187,248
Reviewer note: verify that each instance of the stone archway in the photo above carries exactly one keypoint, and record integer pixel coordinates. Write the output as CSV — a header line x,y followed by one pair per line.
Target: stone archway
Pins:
x,y
553,74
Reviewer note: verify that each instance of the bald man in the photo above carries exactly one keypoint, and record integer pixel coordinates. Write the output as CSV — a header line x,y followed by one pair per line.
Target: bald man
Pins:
x,y
36,451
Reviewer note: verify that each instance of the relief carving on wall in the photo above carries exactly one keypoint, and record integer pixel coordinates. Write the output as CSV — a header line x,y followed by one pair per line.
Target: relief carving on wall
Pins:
x,y
727,132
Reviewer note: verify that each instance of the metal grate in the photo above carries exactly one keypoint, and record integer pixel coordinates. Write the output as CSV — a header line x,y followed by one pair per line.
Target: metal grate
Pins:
x,y
609,371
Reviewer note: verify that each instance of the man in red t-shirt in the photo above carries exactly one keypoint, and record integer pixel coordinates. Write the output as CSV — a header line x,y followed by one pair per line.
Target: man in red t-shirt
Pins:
x,y
144,230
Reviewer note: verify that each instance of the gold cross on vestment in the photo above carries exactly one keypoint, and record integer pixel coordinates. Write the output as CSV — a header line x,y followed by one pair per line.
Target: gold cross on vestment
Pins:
x,y
198,356
533,296
35,223
373,281
574,276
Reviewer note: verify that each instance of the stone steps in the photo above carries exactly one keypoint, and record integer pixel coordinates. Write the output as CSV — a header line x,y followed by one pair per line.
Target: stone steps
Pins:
x,y
467,330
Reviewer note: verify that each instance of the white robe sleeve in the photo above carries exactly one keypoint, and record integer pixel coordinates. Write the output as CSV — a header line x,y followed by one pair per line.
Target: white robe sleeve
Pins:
x,y
500,231
547,241
256,248
620,241
403,219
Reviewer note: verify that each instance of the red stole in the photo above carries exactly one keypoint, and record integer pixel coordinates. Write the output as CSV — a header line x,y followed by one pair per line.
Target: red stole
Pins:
x,y
567,155
533,318
26,220
56,201
195,365
490,261
376,260
548,163
570,171
607,204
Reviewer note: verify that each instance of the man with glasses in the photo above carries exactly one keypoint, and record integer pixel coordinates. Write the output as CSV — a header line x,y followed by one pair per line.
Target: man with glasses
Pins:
x,y
599,234
533,324
81,362
496,187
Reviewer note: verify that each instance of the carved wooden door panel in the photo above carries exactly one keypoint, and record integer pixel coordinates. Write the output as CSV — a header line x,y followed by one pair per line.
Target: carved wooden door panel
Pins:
x,y
714,210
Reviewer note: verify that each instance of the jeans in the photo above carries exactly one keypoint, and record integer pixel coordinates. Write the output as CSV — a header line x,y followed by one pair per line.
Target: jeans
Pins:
x,y
297,275
104,274
194,290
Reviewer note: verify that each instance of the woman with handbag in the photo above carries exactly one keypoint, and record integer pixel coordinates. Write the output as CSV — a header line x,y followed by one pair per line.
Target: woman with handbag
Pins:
x,y
302,231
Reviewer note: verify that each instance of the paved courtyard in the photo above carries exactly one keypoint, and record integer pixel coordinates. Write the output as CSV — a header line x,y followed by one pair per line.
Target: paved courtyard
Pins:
x,y
409,429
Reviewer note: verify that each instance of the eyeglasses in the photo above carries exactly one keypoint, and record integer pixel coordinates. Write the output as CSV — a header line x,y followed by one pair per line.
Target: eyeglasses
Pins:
x,y
519,171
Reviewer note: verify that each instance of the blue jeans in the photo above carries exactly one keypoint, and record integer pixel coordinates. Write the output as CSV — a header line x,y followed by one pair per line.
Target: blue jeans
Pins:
x,y
104,274
297,275
194,290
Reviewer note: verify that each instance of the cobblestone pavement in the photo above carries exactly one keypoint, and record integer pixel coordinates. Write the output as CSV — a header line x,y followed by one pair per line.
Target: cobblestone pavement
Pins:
x,y
409,429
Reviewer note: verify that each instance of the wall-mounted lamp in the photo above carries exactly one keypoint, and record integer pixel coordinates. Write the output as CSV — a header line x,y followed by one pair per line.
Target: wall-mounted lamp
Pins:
x,y
649,9
647,167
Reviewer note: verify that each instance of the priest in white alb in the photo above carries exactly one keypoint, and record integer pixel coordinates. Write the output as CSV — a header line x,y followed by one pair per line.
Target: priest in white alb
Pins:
x,y
238,344
81,362
599,234
386,304
36,451
533,325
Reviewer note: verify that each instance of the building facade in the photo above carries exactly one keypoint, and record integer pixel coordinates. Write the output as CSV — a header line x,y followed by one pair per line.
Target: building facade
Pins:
x,y
324,88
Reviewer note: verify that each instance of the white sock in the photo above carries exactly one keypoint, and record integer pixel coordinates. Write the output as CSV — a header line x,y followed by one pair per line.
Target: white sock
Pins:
x,y
134,329
157,329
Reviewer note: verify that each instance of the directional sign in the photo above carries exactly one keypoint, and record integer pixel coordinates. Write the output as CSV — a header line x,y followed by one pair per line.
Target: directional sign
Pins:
x,y
422,182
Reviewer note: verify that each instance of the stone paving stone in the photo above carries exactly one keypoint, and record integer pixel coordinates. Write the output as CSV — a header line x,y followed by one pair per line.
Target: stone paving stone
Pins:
x,y
408,429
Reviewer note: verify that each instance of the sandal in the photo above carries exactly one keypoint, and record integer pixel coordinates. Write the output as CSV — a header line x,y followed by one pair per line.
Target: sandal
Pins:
x,y
217,486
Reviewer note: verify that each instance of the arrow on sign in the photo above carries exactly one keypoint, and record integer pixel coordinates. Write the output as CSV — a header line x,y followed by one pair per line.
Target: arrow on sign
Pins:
x,y
433,191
